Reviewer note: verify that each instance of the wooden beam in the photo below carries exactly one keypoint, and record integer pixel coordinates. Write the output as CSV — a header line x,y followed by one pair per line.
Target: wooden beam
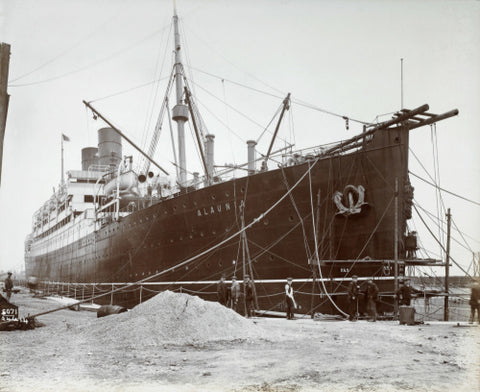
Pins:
x,y
4,97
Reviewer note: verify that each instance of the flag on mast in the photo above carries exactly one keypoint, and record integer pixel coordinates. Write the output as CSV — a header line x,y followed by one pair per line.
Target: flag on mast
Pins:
x,y
65,138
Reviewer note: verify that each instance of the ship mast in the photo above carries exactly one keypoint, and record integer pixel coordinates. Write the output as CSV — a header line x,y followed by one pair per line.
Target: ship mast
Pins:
x,y
180,110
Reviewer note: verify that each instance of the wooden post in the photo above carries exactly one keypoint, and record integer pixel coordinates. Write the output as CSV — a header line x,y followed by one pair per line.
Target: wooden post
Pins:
x,y
93,291
4,97
447,267
141,286
395,251
111,294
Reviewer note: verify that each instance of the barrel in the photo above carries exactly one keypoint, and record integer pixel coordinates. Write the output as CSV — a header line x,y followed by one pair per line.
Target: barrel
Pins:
x,y
407,315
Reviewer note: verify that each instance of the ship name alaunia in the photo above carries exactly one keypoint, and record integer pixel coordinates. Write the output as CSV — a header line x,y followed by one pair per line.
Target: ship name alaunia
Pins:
x,y
213,209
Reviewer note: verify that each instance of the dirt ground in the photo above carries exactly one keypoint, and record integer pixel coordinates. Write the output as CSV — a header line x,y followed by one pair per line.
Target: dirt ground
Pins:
x,y
298,355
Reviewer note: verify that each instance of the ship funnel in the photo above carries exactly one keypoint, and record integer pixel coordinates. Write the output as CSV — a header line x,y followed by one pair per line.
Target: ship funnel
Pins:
x,y
251,156
209,147
109,147
89,157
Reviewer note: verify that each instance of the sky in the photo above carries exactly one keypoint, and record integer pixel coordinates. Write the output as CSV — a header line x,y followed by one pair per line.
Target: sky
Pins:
x,y
340,56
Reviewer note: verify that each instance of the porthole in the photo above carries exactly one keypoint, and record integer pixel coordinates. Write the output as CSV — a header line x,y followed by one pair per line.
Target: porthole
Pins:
x,y
201,234
214,232
174,208
290,218
220,264
242,189
184,205
271,257
214,197
195,203
227,194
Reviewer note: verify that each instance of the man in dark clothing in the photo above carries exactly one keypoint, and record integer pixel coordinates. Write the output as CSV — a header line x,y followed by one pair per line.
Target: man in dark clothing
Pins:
x,y
8,286
222,291
353,289
371,296
475,302
404,294
249,296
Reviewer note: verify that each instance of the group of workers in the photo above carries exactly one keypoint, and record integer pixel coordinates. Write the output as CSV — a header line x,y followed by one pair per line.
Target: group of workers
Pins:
x,y
370,293
371,297
229,296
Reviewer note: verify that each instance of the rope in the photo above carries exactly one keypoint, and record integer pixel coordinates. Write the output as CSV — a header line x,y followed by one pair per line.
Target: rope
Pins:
x,y
316,248
444,190
439,243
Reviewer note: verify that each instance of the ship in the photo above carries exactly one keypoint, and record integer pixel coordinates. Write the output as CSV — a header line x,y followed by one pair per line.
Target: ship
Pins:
x,y
319,215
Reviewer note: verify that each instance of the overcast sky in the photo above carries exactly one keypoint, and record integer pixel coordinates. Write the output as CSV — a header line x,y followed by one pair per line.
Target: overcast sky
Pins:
x,y
341,56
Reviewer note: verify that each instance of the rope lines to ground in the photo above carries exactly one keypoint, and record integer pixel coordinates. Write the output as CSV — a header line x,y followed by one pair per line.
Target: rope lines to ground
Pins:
x,y
316,247
439,243
445,190
435,221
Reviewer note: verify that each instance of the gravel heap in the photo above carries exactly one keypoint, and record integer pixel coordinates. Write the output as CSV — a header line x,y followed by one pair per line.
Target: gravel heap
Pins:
x,y
173,318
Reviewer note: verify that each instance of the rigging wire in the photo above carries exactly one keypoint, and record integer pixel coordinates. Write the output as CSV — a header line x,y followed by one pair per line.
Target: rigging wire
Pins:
x,y
227,122
297,101
439,243
438,195
436,221
128,90
69,49
444,190
94,63
154,91
239,112
234,65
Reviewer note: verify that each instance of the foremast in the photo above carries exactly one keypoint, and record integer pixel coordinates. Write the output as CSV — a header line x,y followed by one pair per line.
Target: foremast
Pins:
x,y
180,110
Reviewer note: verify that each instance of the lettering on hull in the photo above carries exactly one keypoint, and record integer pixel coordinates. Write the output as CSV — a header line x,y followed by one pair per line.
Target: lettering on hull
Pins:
x,y
214,209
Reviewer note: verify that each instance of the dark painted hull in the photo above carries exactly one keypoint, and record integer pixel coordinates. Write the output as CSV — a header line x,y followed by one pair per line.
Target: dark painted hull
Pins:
x,y
281,244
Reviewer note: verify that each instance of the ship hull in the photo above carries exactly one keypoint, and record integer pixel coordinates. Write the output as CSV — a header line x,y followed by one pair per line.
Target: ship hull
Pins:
x,y
307,215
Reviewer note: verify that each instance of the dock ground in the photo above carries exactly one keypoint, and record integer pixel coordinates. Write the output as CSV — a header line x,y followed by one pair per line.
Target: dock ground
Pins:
x,y
298,355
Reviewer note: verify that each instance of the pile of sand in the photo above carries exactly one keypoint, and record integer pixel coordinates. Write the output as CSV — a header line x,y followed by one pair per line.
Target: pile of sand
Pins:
x,y
173,318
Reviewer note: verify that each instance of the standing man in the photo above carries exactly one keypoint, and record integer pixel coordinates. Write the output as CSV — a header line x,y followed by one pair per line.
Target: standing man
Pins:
x,y
404,293
353,289
249,296
234,293
475,302
372,298
289,299
222,291
8,286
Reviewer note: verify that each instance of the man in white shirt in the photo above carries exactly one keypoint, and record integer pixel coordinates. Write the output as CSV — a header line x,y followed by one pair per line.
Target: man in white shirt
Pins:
x,y
289,299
